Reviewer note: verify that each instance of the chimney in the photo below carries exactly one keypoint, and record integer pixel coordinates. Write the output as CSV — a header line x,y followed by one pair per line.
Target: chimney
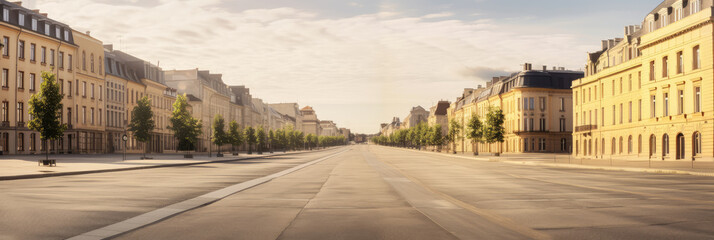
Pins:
x,y
479,87
109,47
19,3
562,68
604,44
555,68
611,43
494,79
88,33
545,68
44,14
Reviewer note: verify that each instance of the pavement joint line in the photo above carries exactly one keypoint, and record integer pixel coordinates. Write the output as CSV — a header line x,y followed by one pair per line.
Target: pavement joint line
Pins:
x,y
563,165
59,174
494,218
160,214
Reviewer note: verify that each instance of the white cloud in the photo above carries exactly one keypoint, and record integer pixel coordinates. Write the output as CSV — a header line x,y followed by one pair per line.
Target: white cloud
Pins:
x,y
373,63
438,15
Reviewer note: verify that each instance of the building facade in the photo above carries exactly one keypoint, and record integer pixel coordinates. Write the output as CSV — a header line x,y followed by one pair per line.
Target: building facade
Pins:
x,y
645,95
310,123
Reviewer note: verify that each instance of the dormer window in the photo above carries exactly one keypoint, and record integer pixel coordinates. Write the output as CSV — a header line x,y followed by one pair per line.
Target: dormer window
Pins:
x,y
66,35
6,15
34,24
651,26
47,29
678,14
21,19
57,33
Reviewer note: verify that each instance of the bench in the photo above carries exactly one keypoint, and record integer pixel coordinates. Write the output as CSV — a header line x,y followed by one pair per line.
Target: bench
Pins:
x,y
48,162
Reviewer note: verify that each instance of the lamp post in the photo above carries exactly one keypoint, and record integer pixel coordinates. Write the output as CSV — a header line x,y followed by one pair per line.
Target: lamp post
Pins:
x,y
210,128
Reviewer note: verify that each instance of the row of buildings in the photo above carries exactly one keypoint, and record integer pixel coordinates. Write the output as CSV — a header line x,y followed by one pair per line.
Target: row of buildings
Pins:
x,y
102,85
648,94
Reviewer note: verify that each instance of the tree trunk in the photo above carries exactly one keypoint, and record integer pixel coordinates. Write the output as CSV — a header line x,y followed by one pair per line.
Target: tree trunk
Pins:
x,y
47,151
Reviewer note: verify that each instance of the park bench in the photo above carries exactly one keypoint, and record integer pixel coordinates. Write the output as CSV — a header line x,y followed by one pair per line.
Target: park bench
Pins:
x,y
48,162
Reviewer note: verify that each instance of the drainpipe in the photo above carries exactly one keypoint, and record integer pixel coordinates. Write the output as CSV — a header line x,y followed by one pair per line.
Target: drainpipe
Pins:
x,y
16,75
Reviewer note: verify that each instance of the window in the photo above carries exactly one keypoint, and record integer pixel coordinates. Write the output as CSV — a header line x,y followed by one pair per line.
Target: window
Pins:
x,y
696,144
6,15
613,87
52,57
20,80
33,141
84,115
680,63
21,19
5,111
621,86
34,24
563,145
696,6
621,147
69,62
20,142
91,62
613,146
614,115
21,49
629,83
518,105
542,125
653,106
653,145
665,63
43,55
84,89
677,14
530,125
92,90
629,145
542,103
562,104
32,82
629,110
595,118
531,102
680,102
652,71
665,145
61,85
621,115
5,75
696,58
639,144
91,115
60,60
562,125
57,32
665,105
6,49
84,61
32,52
680,147
47,29
639,110
595,92
20,112
602,151
66,35
697,99
69,89
100,92
602,115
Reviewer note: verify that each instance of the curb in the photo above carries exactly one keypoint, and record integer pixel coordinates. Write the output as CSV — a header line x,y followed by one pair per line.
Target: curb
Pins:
x,y
560,165
46,175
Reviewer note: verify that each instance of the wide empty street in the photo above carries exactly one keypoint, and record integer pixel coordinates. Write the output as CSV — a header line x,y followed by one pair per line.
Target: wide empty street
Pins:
x,y
365,192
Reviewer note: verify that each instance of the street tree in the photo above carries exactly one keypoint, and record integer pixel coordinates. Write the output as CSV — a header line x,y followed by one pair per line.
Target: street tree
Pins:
x,y
186,128
220,137
250,138
261,139
271,140
475,131
142,122
437,138
454,134
494,131
235,135
45,111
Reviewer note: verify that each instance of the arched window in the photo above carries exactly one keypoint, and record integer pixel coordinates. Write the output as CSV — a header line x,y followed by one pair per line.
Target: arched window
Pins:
x,y
91,61
621,148
602,150
563,145
639,144
653,145
629,144
596,147
680,146
84,61
614,146
100,67
696,144
665,145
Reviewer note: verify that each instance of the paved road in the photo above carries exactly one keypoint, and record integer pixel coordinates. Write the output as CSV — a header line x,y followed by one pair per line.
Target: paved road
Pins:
x,y
62,207
372,192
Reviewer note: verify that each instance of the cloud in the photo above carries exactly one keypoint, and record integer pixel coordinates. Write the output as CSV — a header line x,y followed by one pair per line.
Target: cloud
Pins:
x,y
384,59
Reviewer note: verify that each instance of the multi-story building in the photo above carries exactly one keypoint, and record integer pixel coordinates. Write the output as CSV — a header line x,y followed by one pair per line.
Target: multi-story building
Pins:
x,y
389,128
210,97
645,95
329,128
461,112
311,124
417,115
438,115
537,109
292,110
240,96
117,79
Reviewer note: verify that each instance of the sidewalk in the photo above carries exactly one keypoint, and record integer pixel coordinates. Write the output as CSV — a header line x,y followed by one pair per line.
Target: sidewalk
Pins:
x,y
25,166
700,168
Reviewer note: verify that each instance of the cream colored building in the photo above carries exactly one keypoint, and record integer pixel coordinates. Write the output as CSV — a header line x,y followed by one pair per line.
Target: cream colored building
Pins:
x,y
461,111
417,115
645,95
329,129
311,124
438,115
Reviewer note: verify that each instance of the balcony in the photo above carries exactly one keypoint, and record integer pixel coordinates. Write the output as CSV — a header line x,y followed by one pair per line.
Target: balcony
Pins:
x,y
5,124
585,128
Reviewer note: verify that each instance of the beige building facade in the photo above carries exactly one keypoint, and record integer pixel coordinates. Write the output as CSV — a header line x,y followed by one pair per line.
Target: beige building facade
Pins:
x,y
648,94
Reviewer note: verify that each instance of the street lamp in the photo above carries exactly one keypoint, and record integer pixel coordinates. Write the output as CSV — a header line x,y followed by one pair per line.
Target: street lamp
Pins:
x,y
210,129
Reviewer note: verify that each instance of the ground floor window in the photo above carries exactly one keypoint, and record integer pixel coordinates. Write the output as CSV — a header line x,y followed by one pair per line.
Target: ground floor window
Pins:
x,y
20,142
563,145
696,144
680,146
665,145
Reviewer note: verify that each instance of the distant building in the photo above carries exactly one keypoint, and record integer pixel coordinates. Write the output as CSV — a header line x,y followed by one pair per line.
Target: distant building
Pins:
x,y
438,114
329,129
417,115
310,124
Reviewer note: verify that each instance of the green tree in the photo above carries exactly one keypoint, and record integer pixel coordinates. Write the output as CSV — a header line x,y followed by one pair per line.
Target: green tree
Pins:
x,y
220,137
142,122
235,135
454,132
475,131
271,140
250,138
437,138
261,139
45,110
494,131
186,128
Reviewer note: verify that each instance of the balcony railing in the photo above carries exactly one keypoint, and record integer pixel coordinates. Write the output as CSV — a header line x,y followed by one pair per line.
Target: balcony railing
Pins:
x,y
5,124
585,128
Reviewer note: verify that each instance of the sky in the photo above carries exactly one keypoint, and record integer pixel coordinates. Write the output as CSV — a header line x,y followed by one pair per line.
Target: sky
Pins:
x,y
357,63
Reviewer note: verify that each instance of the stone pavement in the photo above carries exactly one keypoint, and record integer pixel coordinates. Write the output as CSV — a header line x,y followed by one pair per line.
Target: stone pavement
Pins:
x,y
25,166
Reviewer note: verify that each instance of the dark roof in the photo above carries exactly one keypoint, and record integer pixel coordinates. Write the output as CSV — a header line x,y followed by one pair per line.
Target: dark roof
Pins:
x,y
551,79
116,66
193,98
664,4
441,108
42,20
